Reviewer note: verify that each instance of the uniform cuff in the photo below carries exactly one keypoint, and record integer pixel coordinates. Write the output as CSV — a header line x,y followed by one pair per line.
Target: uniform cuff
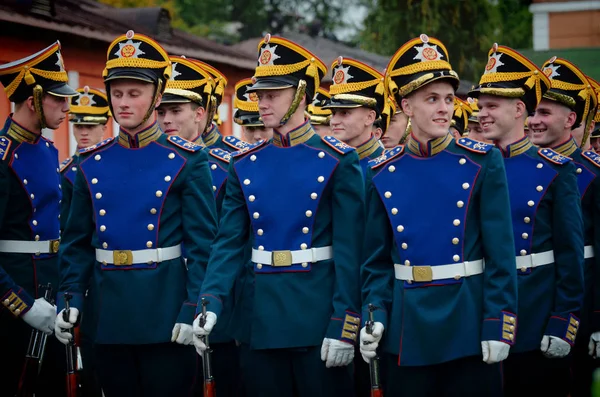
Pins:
x,y
18,302
215,305
563,328
344,329
187,313
502,329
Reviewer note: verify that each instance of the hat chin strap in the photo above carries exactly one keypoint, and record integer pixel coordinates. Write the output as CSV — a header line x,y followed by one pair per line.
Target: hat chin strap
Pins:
x,y
300,91
407,132
586,128
38,94
211,109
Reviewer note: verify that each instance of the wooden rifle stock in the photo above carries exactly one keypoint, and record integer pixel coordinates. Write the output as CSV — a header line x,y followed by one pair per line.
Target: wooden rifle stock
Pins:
x,y
74,363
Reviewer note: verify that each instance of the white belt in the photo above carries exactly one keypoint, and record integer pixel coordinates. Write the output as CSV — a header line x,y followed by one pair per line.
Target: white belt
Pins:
x,y
535,260
430,273
29,247
288,258
588,252
125,257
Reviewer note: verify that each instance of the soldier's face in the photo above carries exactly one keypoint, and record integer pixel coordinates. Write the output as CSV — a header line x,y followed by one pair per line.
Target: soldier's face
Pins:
x,y
181,119
255,134
430,109
578,135
88,135
500,116
395,130
55,110
350,125
130,101
551,124
595,144
475,131
322,129
274,104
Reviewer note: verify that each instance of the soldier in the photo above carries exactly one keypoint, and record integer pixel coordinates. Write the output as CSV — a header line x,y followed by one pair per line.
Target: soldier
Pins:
x,y
137,198
437,208
246,114
580,134
460,118
357,101
183,106
303,319
547,226
474,129
89,115
569,103
320,117
30,215
398,127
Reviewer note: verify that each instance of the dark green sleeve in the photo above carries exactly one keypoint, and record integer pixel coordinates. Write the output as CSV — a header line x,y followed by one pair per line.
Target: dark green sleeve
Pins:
x,y
377,272
65,204
568,243
199,228
500,275
595,315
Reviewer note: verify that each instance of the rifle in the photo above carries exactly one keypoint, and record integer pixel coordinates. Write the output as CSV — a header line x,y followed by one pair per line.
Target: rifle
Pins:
x,y
209,380
376,390
74,361
35,355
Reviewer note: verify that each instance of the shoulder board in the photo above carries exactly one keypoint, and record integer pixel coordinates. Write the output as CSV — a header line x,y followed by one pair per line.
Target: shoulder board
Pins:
x,y
184,143
592,157
235,143
251,147
96,146
221,154
553,157
474,146
4,146
386,156
65,164
337,145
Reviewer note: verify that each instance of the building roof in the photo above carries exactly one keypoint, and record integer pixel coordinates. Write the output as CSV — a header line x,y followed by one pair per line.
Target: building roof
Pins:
x,y
93,20
585,59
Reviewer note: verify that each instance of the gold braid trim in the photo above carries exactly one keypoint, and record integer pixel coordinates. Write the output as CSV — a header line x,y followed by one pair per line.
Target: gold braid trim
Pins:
x,y
191,95
300,91
38,93
189,84
420,67
88,109
359,86
211,109
505,92
317,111
562,98
245,105
282,70
359,99
534,79
27,74
136,63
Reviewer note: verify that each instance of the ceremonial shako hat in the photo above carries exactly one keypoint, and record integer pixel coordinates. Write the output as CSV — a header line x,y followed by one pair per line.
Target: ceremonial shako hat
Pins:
x,y
219,80
89,107
474,115
460,117
509,74
354,85
44,69
246,105
595,133
418,62
570,87
319,115
389,110
188,83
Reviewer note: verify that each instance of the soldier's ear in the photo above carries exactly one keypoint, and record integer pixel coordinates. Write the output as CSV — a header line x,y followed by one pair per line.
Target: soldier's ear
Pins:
x,y
521,109
158,100
570,123
199,114
30,104
406,107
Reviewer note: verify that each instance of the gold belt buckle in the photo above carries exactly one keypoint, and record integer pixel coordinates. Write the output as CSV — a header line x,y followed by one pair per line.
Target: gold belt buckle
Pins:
x,y
53,246
422,274
123,258
281,258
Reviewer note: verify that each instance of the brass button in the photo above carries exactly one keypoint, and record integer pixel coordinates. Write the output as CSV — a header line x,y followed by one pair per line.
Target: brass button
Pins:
x,y
304,264
579,171
308,213
460,204
539,188
261,248
305,230
456,258
313,196
400,228
34,222
465,185
37,237
258,266
214,188
527,219
102,212
150,227
253,158
523,252
321,155
246,182
530,203
404,246
524,269
260,232
167,178
158,193
456,222
391,168
213,167
102,228
94,181
98,196
525,236
24,181
394,211
171,156
407,263
97,157
105,245
540,165
303,246
455,240
251,198
32,196
149,244
256,215
462,161
153,211
320,179
388,194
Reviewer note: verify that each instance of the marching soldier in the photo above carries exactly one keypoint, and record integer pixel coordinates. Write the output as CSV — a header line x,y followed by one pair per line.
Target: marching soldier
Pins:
x,y
437,208
246,114
303,319
137,198
89,115
460,118
320,117
569,103
30,197
547,226
357,101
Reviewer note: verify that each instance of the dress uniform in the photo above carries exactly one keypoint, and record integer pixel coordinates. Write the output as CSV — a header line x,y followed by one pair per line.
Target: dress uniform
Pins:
x,y
358,85
246,114
89,107
436,212
571,88
461,116
319,116
137,199
305,243
548,232
29,218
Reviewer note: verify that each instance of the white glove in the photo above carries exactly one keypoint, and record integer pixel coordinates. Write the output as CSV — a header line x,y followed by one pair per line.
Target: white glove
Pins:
x,y
594,345
553,347
336,353
62,327
494,351
41,316
369,343
200,332
182,334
